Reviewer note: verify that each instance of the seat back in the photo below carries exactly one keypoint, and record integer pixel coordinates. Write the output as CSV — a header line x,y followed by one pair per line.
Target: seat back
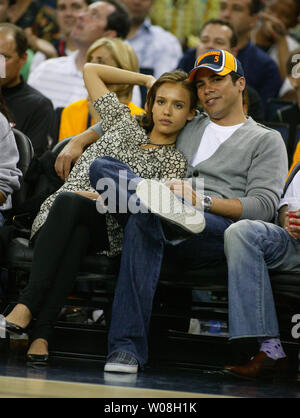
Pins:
x,y
282,128
273,105
26,154
60,145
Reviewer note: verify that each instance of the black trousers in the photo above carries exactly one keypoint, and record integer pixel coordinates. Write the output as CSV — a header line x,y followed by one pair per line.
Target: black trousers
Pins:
x,y
72,229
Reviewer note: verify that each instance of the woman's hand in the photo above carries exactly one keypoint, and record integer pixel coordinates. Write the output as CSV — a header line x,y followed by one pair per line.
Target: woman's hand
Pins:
x,y
184,189
90,195
150,81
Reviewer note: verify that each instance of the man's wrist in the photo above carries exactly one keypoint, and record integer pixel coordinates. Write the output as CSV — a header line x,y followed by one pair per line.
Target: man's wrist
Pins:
x,y
207,203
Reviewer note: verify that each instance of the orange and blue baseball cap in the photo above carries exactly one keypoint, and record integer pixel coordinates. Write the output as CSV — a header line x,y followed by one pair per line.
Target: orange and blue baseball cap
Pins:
x,y
220,61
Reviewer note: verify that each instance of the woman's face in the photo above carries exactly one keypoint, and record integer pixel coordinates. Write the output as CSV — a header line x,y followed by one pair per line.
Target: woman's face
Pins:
x,y
102,55
171,109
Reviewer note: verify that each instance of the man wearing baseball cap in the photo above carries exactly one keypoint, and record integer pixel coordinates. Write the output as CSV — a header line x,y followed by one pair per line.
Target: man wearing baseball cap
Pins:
x,y
243,166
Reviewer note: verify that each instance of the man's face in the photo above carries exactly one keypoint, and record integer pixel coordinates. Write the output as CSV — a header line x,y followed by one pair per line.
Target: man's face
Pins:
x,y
91,24
214,36
237,12
219,97
13,63
67,12
4,5
138,9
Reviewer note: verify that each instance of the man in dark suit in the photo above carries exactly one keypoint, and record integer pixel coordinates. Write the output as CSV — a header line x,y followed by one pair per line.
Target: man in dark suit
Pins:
x,y
30,110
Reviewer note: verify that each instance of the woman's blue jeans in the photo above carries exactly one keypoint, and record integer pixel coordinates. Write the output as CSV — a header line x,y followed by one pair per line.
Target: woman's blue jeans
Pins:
x,y
144,247
251,248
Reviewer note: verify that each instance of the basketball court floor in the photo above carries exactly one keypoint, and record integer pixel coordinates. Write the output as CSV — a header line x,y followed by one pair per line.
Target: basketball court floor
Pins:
x,y
78,378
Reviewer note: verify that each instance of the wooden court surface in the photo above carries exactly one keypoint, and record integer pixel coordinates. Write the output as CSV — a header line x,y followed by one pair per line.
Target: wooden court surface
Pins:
x,y
16,387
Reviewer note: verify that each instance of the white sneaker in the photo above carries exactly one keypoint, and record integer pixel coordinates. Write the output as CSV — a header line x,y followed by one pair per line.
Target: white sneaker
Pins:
x,y
160,200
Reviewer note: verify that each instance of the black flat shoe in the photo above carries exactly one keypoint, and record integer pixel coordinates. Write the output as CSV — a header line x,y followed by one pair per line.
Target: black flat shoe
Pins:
x,y
11,328
37,359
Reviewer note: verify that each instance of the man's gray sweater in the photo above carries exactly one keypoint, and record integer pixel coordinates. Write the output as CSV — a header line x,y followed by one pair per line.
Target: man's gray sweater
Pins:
x,y
250,165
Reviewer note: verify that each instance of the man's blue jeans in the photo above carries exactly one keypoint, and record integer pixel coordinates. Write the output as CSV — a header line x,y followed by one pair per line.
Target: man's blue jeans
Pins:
x,y
144,247
251,248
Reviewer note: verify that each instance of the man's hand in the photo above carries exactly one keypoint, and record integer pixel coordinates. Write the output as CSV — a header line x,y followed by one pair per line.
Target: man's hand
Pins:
x,y
292,225
72,151
69,154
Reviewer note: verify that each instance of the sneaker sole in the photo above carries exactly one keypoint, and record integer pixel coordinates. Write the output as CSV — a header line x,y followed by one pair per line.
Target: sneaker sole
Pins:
x,y
120,368
159,199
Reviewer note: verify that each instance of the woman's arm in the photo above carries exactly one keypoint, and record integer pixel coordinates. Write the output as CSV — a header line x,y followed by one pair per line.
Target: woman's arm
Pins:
x,y
98,76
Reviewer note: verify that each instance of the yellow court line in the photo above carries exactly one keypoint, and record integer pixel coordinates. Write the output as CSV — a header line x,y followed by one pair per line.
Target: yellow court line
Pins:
x,y
19,387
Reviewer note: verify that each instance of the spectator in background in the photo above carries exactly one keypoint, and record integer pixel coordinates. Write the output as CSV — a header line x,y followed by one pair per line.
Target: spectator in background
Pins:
x,y
214,34
157,50
22,13
9,157
272,35
32,112
14,11
291,112
66,13
60,79
80,115
261,71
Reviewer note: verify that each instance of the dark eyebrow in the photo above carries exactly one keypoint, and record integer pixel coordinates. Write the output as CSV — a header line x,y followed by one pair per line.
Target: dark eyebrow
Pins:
x,y
177,100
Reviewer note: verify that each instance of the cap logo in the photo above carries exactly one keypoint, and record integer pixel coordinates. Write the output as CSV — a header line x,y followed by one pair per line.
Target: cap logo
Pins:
x,y
216,53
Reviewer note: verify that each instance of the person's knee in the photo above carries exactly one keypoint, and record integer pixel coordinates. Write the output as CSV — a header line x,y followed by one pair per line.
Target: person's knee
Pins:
x,y
236,233
99,169
64,199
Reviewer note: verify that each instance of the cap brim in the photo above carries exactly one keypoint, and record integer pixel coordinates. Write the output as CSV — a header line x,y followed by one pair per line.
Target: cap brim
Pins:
x,y
212,67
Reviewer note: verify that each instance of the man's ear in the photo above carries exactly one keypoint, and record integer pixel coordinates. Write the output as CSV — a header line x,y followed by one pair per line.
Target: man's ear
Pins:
x,y
242,83
24,57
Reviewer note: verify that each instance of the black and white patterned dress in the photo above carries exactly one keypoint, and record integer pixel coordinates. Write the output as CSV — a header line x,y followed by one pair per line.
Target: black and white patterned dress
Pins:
x,y
122,139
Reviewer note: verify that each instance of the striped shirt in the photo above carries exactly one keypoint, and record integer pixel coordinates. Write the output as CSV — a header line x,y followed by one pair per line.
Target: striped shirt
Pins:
x,y
59,80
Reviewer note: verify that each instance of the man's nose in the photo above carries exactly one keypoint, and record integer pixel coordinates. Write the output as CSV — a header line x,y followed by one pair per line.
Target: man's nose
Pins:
x,y
208,88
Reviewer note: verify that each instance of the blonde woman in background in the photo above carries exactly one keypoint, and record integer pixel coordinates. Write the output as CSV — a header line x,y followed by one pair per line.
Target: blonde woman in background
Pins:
x,y
80,115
